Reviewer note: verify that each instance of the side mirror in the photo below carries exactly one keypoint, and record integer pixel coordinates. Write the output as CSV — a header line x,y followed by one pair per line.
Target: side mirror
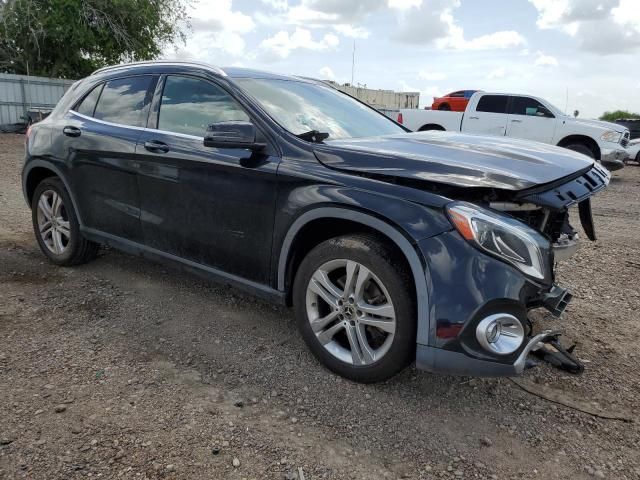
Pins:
x,y
236,134
545,112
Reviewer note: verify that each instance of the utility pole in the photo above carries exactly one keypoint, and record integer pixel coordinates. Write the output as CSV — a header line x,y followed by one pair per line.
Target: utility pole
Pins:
x,y
353,60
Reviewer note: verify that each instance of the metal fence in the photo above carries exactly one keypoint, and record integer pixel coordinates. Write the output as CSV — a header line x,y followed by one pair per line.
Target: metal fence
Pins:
x,y
21,93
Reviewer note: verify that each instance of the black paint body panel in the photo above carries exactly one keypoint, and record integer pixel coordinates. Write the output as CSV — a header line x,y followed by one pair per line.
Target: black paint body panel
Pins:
x,y
232,215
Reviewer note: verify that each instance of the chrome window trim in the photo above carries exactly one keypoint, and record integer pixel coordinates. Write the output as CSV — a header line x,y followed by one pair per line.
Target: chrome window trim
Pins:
x,y
133,127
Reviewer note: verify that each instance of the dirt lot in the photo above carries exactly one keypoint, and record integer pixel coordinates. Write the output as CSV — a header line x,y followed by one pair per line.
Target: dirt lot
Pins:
x,y
125,369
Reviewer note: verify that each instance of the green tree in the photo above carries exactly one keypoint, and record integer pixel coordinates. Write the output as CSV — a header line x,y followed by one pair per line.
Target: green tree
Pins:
x,y
71,38
613,116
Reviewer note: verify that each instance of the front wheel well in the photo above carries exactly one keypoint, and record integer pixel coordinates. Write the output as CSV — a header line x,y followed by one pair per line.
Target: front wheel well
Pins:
x,y
431,126
34,177
588,142
317,231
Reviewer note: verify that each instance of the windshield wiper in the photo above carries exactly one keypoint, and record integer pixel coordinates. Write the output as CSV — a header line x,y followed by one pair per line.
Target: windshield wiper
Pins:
x,y
313,136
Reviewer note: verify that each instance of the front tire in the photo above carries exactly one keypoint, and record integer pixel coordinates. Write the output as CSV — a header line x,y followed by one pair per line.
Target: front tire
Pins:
x,y
581,148
354,307
56,225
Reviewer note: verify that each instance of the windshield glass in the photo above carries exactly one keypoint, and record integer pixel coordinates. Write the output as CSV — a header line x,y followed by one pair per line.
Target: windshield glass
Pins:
x,y
301,107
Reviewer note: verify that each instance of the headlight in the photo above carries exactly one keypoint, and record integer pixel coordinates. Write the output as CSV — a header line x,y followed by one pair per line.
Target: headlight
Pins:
x,y
503,237
611,136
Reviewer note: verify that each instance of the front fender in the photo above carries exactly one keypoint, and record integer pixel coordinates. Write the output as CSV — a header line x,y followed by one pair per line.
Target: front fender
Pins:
x,y
403,222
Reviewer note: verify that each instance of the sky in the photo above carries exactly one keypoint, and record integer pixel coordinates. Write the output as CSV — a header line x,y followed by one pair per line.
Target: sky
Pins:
x,y
577,54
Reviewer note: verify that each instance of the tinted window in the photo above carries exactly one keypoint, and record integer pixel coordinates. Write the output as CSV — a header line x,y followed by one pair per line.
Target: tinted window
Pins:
x,y
493,104
527,106
456,94
190,105
88,104
124,101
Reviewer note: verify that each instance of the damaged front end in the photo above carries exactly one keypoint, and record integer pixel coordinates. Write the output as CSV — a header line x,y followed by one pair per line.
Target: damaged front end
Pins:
x,y
480,302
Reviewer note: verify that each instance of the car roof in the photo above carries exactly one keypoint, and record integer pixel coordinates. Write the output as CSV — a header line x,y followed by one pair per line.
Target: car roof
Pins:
x,y
237,72
231,72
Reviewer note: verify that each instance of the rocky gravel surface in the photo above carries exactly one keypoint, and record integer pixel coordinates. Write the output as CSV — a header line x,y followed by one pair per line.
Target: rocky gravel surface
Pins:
x,y
122,368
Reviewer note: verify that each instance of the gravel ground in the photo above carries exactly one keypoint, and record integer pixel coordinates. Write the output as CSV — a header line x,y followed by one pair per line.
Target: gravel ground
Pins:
x,y
125,369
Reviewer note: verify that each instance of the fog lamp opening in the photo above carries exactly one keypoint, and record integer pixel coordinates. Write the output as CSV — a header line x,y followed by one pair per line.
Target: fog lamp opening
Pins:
x,y
500,334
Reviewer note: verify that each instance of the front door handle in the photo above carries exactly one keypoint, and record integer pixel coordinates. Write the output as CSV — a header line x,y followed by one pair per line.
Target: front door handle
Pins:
x,y
70,131
516,121
156,146
474,118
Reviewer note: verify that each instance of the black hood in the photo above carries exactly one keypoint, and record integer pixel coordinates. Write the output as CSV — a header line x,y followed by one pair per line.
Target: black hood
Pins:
x,y
454,159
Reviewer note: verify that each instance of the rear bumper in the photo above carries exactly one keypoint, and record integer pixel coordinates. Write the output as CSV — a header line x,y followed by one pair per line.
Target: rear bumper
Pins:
x,y
613,158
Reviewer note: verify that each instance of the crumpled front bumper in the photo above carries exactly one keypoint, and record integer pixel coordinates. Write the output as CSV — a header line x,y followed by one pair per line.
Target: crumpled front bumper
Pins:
x,y
613,158
467,286
454,363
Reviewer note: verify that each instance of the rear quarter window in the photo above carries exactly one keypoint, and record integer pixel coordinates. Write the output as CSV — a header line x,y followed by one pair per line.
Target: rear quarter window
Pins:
x,y
88,104
124,101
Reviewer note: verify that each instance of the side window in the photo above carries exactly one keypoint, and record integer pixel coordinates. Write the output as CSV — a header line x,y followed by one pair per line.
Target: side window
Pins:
x,y
124,101
527,106
493,104
456,94
190,105
88,103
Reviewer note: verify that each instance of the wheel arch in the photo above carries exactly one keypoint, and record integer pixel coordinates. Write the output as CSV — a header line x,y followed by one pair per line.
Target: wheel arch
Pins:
x,y
35,172
432,126
587,141
361,221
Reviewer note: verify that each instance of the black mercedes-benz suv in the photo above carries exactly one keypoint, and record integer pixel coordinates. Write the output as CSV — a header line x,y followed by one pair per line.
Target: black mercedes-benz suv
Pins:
x,y
390,245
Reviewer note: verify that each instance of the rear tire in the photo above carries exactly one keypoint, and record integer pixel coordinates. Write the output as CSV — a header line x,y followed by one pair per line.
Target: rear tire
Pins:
x,y
444,107
56,225
581,148
354,308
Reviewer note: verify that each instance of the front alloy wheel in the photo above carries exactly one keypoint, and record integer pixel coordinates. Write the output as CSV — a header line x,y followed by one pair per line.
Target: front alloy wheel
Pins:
x,y
355,308
350,312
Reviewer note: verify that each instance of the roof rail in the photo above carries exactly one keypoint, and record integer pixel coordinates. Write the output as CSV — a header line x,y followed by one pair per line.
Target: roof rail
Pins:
x,y
213,68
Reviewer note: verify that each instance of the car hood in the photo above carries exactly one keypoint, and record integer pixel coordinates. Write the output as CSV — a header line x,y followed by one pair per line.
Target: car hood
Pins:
x,y
453,158
599,124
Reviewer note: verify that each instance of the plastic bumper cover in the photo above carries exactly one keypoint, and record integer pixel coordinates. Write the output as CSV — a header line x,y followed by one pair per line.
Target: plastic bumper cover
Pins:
x,y
438,360
613,158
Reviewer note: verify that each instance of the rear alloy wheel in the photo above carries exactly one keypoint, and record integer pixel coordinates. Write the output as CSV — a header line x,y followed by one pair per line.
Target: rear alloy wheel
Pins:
x,y
53,222
354,310
56,225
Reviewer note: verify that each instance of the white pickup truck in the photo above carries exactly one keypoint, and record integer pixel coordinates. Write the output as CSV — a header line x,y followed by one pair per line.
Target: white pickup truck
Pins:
x,y
530,118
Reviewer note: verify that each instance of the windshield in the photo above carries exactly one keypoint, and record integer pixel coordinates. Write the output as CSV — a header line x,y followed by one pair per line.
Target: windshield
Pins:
x,y
301,107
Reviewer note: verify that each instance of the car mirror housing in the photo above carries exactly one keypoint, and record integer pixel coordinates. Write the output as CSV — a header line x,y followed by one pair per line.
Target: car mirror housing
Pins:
x,y
545,112
233,134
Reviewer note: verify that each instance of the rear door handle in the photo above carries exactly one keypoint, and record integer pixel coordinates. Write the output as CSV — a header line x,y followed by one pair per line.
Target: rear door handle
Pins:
x,y
156,146
70,131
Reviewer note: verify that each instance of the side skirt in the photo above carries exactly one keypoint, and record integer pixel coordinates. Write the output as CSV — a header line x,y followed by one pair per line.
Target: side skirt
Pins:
x,y
208,273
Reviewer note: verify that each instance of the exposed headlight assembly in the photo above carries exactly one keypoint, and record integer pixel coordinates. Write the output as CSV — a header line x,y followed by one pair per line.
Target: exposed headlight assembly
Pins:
x,y
503,237
611,136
